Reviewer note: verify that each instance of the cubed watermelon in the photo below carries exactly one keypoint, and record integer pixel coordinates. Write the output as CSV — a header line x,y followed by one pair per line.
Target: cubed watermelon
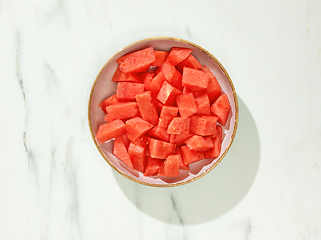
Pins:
x,y
186,105
203,104
159,133
178,54
160,57
108,101
122,110
160,149
156,84
217,143
137,153
199,143
152,166
170,167
138,61
172,75
221,108
179,139
107,131
120,76
166,115
120,151
147,78
147,108
167,94
137,127
203,125
214,89
190,62
128,90
194,79
179,126
190,156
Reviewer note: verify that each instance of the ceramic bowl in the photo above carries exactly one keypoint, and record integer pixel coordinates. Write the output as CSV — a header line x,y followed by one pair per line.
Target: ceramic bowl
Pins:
x,y
103,88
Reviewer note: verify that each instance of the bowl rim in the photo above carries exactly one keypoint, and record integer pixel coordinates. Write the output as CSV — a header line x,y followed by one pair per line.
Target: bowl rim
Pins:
x,y
234,96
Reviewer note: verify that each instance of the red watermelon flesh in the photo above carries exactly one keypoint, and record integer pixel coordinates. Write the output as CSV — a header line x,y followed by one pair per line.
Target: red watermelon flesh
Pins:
x,y
190,62
120,76
166,116
159,133
194,79
160,149
167,94
147,78
203,125
199,143
138,61
179,126
137,153
128,90
203,104
178,54
190,156
152,166
186,105
108,101
110,130
147,108
217,143
122,110
221,108
120,151
170,167
160,57
172,75
137,127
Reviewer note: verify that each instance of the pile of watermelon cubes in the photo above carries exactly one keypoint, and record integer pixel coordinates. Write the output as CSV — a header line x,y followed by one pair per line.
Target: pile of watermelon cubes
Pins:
x,y
167,113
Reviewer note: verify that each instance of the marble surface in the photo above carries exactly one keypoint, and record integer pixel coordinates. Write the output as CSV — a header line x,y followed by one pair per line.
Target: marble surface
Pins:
x,y
55,185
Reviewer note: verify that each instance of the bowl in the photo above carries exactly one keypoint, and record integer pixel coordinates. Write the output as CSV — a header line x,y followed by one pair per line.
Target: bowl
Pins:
x,y
103,87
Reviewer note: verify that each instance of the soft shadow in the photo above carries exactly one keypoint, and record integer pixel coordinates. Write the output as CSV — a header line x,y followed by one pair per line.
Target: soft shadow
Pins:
x,y
211,196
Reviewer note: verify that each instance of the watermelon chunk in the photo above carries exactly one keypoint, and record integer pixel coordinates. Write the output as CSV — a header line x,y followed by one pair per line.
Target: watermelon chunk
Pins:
x,y
120,76
147,78
128,91
160,149
199,143
138,61
122,110
179,126
221,108
203,125
160,57
203,104
167,94
137,153
137,127
147,108
172,75
120,151
186,105
179,139
110,130
190,156
159,133
166,116
190,62
217,143
108,101
194,79
170,167
182,165
214,89
156,84
178,54
152,166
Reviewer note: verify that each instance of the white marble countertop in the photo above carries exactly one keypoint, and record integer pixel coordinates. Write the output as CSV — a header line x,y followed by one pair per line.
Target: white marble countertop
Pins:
x,y
54,183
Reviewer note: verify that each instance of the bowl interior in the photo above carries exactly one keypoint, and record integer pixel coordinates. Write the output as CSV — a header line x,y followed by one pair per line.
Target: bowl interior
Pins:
x,y
103,87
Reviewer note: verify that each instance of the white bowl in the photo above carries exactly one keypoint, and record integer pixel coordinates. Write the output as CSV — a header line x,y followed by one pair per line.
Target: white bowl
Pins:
x,y
103,87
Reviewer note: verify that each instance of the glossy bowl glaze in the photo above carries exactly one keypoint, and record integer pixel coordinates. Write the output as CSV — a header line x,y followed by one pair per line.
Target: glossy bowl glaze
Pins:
x,y
103,87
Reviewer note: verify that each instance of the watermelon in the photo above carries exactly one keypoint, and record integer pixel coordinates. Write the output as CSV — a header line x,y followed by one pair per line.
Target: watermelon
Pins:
x,y
170,167
203,104
159,133
147,78
137,153
217,143
160,57
166,116
178,54
137,127
190,62
147,108
203,125
221,108
138,61
179,139
120,76
108,101
128,90
160,149
152,166
167,94
190,156
199,143
123,111
120,151
110,130
194,79
186,105
179,126
172,75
